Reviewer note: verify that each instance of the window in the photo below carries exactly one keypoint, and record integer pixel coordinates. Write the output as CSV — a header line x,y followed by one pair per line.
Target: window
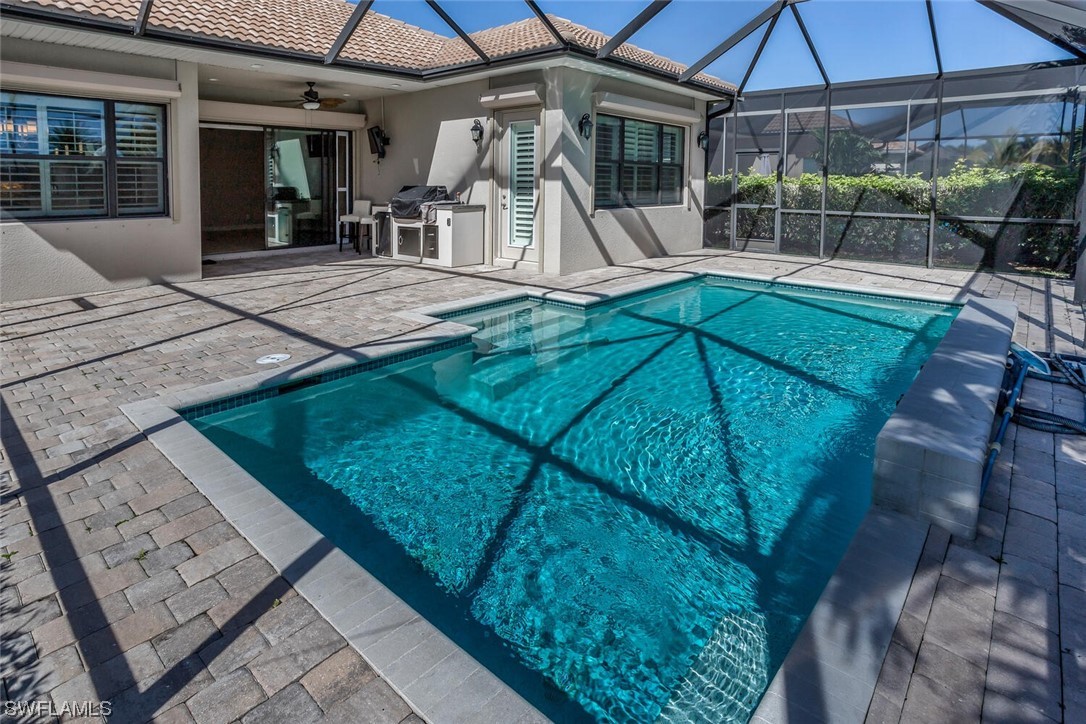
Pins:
x,y
638,163
81,158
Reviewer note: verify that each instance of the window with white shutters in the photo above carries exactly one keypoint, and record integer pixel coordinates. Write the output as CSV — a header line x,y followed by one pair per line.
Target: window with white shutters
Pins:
x,y
638,163
81,158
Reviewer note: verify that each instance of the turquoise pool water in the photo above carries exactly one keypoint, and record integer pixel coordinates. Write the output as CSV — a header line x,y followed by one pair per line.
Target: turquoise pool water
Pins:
x,y
627,514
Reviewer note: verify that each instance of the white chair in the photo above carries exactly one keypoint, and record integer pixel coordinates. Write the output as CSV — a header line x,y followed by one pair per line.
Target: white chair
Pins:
x,y
360,217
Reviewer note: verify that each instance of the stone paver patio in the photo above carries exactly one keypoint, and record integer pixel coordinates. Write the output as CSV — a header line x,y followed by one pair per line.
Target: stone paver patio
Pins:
x,y
122,583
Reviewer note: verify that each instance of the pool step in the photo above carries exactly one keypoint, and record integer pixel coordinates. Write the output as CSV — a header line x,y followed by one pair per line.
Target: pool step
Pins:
x,y
529,327
497,374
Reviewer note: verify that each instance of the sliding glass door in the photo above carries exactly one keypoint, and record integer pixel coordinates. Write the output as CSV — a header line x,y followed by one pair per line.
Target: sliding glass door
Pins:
x,y
271,188
301,187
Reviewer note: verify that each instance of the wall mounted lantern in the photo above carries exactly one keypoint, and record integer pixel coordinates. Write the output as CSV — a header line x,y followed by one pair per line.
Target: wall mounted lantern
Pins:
x,y
703,140
584,126
477,131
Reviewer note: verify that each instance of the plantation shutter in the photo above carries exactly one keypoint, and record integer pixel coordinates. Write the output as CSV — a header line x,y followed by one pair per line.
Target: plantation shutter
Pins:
x,y
671,172
522,172
641,151
642,141
20,187
608,157
77,187
139,137
139,130
139,187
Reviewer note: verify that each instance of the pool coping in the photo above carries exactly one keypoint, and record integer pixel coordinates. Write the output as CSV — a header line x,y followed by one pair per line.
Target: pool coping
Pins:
x,y
931,454
438,679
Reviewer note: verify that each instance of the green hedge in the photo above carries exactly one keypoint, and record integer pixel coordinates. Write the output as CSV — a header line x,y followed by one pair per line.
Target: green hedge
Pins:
x,y
1024,191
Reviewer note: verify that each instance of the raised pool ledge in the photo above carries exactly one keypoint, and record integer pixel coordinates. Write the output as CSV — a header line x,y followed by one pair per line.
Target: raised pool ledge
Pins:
x,y
930,454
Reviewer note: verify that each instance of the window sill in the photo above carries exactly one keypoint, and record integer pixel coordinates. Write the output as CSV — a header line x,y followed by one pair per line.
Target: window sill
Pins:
x,y
639,208
80,219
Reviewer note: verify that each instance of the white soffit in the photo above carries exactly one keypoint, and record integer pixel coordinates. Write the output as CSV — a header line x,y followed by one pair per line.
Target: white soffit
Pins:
x,y
649,110
39,78
514,96
247,113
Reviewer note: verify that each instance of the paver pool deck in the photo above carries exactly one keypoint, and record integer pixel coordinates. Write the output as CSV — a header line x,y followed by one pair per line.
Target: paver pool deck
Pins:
x,y
121,582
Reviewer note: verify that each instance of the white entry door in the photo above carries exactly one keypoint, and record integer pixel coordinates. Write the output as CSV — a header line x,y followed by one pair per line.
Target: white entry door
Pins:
x,y
518,187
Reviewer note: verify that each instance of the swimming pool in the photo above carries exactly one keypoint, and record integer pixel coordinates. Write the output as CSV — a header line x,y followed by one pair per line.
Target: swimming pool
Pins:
x,y
625,513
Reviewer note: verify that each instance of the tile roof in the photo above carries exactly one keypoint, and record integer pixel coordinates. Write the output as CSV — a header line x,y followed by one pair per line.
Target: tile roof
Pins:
x,y
305,26
594,40
531,34
311,27
804,121
123,11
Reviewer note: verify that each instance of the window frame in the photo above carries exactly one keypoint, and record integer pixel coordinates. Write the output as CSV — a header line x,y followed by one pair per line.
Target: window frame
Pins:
x,y
110,158
625,196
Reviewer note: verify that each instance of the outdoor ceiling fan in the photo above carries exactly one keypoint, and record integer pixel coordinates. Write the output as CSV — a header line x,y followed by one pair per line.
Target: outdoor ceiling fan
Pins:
x,y
312,101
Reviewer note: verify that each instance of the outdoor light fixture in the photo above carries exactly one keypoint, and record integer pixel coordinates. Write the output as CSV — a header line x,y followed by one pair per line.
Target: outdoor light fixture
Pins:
x,y
584,126
311,105
703,140
477,131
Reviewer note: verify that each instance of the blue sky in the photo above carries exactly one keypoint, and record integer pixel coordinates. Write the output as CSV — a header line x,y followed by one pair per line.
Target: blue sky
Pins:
x,y
856,39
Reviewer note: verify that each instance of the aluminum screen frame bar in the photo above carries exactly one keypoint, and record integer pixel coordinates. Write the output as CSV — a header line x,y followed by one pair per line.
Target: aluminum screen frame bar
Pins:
x,y
734,39
547,22
810,45
997,7
758,52
142,17
632,27
934,37
459,31
347,31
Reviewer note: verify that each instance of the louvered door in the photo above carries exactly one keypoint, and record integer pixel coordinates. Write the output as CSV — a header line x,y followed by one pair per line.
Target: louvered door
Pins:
x,y
521,184
519,187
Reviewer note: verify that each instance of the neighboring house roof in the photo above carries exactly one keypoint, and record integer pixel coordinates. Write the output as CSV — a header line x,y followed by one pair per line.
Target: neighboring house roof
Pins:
x,y
311,26
807,121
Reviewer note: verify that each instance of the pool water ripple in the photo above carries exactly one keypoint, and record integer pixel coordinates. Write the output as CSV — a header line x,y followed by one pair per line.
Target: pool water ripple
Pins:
x,y
627,513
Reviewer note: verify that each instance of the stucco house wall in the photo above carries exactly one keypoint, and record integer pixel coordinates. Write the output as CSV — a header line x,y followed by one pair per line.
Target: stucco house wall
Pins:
x,y
57,257
431,143
589,237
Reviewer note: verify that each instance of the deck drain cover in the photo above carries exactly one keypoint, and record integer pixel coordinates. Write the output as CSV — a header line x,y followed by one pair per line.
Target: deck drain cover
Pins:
x,y
270,359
